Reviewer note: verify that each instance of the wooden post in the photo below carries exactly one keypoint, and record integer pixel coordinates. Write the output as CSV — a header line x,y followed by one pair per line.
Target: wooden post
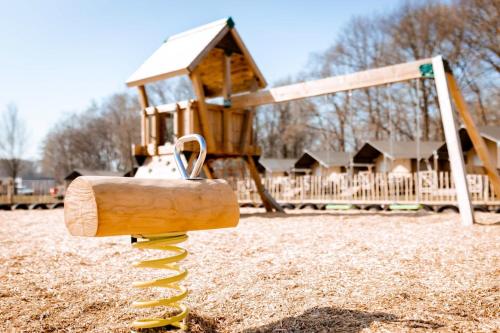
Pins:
x,y
203,111
226,114
246,129
247,124
156,132
227,137
267,199
144,129
452,142
475,136
143,101
226,88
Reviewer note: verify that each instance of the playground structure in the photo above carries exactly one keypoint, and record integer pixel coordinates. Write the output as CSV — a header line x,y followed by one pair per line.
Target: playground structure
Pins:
x,y
219,65
157,213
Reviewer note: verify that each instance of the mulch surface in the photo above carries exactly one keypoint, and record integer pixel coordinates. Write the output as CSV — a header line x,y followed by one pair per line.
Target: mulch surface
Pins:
x,y
306,271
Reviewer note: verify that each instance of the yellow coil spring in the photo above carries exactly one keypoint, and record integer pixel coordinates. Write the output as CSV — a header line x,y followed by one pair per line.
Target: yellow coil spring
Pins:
x,y
164,242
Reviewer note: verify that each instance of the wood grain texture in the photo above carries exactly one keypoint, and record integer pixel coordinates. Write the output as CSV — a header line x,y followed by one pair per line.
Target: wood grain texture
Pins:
x,y
81,213
330,85
109,206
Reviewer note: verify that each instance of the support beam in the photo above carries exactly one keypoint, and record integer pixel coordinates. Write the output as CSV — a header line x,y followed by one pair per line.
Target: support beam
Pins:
x,y
143,97
453,143
267,199
475,136
207,170
190,163
246,129
203,111
364,79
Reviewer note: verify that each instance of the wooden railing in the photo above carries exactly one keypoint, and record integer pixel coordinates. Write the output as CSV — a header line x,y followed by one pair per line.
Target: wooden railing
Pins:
x,y
39,192
424,187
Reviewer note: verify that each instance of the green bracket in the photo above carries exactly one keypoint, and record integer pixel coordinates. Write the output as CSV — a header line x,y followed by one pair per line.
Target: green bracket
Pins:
x,y
426,71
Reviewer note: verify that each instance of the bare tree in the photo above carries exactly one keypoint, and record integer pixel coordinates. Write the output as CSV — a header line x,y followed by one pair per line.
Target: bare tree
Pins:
x,y
284,128
122,117
13,139
169,91
100,138
482,29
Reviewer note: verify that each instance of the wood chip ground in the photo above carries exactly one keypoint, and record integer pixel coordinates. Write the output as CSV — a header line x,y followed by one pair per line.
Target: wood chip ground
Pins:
x,y
306,271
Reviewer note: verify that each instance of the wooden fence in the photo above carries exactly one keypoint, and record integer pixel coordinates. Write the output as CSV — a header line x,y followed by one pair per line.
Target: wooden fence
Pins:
x,y
39,192
430,188
364,188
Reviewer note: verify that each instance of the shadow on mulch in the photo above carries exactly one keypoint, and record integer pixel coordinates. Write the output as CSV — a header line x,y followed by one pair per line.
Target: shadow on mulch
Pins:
x,y
199,324
331,319
196,324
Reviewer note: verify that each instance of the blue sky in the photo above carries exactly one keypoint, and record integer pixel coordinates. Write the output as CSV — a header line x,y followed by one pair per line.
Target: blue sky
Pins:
x,y
58,56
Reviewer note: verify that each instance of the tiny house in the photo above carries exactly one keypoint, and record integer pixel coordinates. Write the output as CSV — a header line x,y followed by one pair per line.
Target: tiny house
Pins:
x,y
473,164
275,167
324,163
397,156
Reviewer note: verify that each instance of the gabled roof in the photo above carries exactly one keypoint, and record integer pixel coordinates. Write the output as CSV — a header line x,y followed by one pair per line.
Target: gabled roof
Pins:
x,y
490,132
396,150
325,158
203,48
277,164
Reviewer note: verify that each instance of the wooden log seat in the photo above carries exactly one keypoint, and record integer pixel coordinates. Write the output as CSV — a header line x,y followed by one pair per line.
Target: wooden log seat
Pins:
x,y
109,206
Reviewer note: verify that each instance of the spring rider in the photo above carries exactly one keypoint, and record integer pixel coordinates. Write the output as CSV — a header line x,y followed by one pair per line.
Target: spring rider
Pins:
x,y
157,213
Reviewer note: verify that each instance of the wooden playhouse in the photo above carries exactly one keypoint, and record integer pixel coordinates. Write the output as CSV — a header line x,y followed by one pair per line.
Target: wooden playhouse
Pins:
x,y
218,65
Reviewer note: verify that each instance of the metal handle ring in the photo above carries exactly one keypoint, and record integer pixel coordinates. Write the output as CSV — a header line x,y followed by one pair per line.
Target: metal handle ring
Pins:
x,y
199,161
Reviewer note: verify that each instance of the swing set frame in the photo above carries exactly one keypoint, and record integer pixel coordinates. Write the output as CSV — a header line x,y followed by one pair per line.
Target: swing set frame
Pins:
x,y
447,90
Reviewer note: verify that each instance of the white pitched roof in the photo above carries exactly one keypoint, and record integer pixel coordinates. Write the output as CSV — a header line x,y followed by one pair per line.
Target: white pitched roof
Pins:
x,y
181,53
177,54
